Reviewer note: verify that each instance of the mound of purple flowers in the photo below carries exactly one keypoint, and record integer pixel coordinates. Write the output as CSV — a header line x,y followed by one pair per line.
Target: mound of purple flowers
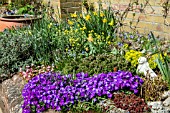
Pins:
x,y
52,90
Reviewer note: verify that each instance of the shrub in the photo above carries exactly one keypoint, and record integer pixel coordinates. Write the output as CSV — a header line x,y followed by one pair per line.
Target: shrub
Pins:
x,y
15,50
38,44
94,64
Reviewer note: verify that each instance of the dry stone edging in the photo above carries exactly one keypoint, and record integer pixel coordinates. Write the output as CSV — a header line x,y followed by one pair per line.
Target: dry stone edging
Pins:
x,y
161,106
11,96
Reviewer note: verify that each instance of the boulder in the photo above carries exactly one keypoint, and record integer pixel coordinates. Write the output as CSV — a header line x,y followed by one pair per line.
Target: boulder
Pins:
x,y
11,97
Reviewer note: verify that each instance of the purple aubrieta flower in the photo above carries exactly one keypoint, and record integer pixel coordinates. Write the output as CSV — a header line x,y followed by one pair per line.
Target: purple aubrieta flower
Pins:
x,y
53,90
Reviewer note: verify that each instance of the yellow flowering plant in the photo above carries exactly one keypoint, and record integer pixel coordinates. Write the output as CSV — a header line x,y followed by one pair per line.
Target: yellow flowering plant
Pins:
x,y
97,28
101,22
132,56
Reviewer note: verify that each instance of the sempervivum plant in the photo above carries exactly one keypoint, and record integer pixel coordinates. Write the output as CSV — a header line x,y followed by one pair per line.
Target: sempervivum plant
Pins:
x,y
52,90
131,102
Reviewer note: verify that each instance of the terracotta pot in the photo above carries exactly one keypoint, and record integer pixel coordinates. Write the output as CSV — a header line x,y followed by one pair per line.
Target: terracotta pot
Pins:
x,y
19,18
15,20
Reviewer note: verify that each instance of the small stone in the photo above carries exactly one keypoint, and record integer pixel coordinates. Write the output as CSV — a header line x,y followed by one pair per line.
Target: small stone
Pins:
x,y
161,111
165,95
15,77
1,110
155,105
20,110
166,103
51,111
167,109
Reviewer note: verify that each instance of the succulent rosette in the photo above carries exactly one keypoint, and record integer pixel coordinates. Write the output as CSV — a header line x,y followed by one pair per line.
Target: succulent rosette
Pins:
x,y
56,91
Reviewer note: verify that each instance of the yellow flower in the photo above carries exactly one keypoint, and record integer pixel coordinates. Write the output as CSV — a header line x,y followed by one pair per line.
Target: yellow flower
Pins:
x,y
84,27
70,22
101,14
109,42
74,15
81,15
98,36
111,23
95,13
90,38
87,17
66,49
107,38
104,20
152,60
125,46
132,56
49,26
29,32
76,30
66,31
132,51
87,49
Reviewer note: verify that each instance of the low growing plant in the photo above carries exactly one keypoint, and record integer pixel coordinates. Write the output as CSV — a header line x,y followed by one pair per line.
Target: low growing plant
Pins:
x,y
152,90
162,61
131,103
94,64
53,90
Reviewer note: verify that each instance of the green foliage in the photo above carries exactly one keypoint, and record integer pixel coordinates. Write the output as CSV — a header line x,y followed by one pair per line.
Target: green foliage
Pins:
x,y
94,64
15,50
40,42
86,107
162,61
28,9
98,29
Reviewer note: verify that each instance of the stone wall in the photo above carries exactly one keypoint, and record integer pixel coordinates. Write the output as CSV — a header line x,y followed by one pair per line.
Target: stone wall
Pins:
x,y
151,19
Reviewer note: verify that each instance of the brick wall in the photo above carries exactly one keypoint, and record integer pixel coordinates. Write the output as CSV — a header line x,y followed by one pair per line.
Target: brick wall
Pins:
x,y
151,19
63,7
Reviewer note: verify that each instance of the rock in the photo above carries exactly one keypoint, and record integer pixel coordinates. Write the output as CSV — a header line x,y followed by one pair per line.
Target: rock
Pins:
x,y
166,103
167,109
165,95
11,94
155,105
51,111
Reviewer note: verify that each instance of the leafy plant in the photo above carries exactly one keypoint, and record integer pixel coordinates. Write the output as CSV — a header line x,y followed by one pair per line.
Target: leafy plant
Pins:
x,y
28,9
162,61
98,30
94,64
15,50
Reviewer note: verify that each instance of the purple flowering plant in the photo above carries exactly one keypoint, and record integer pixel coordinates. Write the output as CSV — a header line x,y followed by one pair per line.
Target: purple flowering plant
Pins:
x,y
56,91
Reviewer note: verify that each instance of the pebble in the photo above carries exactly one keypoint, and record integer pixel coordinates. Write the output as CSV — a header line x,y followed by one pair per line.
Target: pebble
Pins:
x,y
166,103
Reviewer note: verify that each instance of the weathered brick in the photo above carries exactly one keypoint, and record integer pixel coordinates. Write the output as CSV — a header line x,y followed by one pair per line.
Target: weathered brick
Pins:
x,y
70,10
151,19
70,4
